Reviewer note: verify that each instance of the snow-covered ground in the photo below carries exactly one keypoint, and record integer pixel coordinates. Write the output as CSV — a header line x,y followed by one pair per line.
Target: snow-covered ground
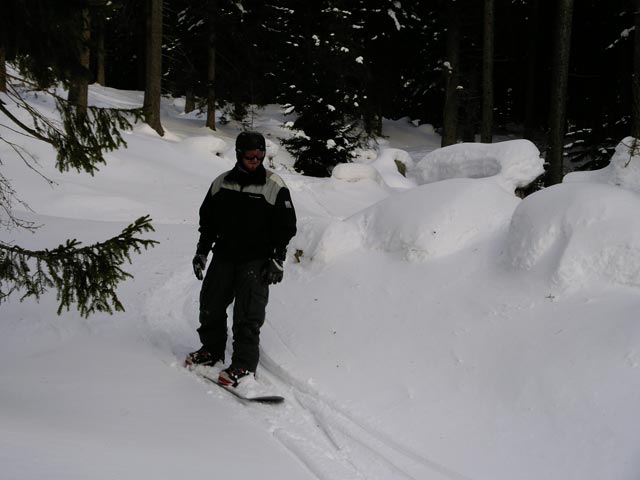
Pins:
x,y
435,327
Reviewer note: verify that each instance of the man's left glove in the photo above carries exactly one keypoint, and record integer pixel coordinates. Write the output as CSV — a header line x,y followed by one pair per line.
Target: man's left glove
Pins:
x,y
199,263
273,270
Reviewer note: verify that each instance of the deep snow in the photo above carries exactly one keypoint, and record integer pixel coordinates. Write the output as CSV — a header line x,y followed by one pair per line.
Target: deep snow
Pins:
x,y
435,327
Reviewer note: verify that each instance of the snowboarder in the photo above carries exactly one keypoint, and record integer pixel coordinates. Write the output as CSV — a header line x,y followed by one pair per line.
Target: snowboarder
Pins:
x,y
248,217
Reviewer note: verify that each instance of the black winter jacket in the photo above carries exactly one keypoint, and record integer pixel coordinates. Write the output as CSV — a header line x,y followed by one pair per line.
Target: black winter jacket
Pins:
x,y
248,215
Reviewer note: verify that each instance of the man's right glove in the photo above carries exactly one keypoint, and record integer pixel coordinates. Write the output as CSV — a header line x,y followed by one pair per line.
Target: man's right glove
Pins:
x,y
273,271
199,263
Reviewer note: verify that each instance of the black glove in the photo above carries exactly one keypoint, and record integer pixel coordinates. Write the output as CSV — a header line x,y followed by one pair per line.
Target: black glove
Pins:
x,y
273,271
199,263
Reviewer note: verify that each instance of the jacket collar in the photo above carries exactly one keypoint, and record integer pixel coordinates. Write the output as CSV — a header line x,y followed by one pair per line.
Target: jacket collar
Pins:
x,y
244,178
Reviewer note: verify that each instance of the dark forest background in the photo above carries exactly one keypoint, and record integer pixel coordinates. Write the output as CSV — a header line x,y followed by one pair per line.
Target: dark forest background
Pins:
x,y
473,69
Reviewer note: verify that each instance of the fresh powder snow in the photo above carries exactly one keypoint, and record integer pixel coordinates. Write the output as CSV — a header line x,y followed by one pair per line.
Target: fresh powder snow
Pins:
x,y
430,326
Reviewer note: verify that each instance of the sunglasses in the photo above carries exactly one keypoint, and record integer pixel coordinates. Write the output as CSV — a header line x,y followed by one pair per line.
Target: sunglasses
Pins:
x,y
254,157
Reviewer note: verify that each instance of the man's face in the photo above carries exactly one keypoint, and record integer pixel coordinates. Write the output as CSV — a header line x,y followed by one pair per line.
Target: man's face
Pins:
x,y
251,159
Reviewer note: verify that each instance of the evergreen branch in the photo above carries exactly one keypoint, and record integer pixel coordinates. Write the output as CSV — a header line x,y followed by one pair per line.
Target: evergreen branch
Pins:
x,y
23,154
30,131
85,276
7,197
80,138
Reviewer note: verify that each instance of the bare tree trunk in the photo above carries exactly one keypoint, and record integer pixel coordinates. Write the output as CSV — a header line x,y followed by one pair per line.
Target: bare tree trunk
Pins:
x,y
153,75
79,85
3,68
211,67
3,57
211,84
486,131
100,52
558,98
190,101
635,86
530,122
451,101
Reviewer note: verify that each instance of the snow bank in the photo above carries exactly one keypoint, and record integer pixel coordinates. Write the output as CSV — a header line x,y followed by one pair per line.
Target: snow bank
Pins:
x,y
426,222
622,171
207,146
585,229
513,164
467,197
355,172
387,164
488,379
384,169
577,232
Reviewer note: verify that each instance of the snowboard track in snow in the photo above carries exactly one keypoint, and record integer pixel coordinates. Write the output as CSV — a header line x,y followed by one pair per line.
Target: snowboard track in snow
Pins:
x,y
336,432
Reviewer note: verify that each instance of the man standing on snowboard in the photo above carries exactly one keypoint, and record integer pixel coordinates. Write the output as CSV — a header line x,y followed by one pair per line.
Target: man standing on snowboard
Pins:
x,y
248,218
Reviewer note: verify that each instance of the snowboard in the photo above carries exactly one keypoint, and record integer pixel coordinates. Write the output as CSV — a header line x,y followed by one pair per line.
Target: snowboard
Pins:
x,y
244,395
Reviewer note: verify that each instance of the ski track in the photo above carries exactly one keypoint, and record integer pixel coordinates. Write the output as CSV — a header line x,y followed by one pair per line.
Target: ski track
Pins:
x,y
380,455
328,439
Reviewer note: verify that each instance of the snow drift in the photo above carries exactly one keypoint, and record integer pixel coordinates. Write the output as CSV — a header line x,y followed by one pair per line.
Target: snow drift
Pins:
x,y
512,164
467,197
584,230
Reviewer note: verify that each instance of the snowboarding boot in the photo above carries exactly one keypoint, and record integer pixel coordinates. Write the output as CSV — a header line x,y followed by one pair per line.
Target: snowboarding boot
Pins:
x,y
202,358
233,376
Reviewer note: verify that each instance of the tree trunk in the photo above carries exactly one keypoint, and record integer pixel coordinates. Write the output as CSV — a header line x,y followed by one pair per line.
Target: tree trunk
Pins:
x,y
3,69
211,84
486,131
100,51
153,74
451,102
635,86
190,101
3,57
79,84
211,67
558,97
530,104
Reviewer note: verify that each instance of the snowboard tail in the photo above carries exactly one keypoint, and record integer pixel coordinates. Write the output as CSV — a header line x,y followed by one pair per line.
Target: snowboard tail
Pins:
x,y
248,397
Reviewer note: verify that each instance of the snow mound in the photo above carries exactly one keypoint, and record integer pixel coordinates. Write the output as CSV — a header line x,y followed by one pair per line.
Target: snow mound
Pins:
x,y
622,171
383,170
387,164
423,223
578,232
206,145
355,172
514,164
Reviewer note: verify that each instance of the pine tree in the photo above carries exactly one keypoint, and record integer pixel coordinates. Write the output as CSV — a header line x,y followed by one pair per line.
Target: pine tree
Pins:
x,y
85,276
327,89
382,29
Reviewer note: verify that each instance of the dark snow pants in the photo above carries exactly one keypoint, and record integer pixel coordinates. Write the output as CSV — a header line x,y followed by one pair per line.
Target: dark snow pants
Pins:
x,y
225,282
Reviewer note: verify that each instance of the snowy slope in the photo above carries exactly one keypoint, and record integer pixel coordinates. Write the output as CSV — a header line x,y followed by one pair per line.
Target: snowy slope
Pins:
x,y
436,326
